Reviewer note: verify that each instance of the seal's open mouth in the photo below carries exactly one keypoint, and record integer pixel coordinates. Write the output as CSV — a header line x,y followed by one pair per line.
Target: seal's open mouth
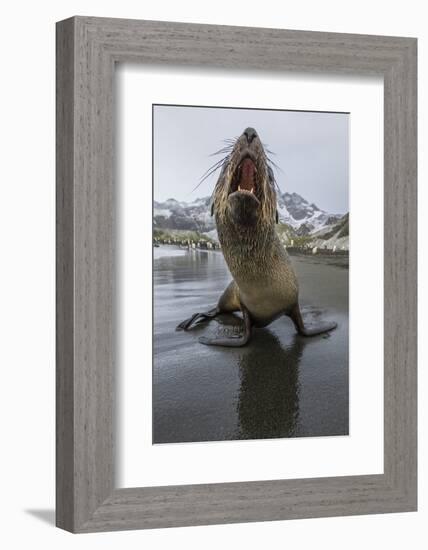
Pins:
x,y
244,194
245,177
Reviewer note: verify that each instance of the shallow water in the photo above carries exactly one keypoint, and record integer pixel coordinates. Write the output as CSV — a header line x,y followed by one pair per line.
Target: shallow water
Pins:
x,y
279,385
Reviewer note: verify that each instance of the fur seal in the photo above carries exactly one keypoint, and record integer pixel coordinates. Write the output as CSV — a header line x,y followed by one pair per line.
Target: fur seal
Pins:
x,y
264,284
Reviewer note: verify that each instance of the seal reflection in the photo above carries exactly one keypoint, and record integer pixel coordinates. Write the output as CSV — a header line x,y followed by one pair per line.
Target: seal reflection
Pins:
x,y
268,403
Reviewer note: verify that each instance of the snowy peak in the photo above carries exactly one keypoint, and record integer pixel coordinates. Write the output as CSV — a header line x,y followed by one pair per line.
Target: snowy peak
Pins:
x,y
333,236
303,217
193,216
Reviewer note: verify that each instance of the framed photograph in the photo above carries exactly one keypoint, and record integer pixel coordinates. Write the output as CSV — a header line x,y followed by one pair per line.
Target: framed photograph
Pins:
x,y
236,274
242,258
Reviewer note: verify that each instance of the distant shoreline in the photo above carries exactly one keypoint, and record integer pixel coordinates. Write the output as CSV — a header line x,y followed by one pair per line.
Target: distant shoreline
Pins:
x,y
339,257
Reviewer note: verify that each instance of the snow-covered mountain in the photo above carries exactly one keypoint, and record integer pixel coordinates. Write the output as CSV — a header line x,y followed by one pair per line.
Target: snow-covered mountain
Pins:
x,y
302,216
295,211
334,236
191,216
299,221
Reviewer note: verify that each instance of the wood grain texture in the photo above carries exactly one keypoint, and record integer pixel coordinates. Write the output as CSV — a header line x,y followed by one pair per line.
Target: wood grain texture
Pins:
x,y
64,276
87,49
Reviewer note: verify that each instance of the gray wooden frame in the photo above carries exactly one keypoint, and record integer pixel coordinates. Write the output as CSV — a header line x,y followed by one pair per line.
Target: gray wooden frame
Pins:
x,y
87,50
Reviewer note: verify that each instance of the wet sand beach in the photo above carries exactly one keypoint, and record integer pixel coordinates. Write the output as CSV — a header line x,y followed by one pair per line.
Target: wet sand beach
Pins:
x,y
279,385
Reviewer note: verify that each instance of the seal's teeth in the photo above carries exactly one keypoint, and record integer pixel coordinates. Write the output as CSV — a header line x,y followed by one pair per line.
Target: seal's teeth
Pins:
x,y
252,190
239,187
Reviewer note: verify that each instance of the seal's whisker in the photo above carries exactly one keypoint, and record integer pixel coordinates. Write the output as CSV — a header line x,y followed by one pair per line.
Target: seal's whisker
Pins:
x,y
274,164
215,166
221,151
211,171
207,175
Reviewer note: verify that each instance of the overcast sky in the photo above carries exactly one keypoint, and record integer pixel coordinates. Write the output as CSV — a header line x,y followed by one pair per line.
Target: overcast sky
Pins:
x,y
311,149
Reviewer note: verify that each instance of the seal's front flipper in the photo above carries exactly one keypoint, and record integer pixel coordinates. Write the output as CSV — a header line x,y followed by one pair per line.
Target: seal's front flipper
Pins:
x,y
196,318
226,341
232,341
320,328
314,330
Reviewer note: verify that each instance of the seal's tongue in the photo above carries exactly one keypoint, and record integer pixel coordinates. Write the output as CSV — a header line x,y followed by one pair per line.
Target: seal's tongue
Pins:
x,y
247,172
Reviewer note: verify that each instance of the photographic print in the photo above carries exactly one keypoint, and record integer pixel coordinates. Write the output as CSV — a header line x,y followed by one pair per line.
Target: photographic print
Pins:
x,y
250,274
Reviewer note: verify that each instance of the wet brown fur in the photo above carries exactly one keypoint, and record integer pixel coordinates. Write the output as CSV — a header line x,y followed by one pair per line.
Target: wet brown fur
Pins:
x,y
264,284
264,279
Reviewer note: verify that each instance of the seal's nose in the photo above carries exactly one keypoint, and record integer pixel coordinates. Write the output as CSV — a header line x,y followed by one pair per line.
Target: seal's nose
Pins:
x,y
251,134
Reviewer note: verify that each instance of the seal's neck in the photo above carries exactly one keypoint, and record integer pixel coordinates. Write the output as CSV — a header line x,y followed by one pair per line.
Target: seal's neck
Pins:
x,y
246,249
